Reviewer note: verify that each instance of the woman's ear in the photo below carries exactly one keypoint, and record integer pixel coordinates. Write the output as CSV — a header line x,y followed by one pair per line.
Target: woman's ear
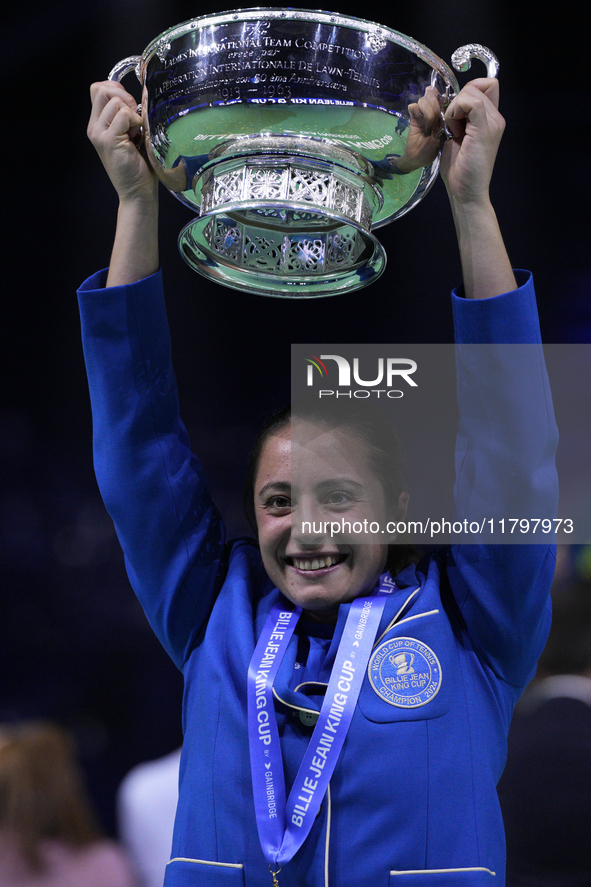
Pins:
x,y
397,514
400,510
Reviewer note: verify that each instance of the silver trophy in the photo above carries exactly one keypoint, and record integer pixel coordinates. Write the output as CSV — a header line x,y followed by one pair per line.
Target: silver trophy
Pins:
x,y
285,131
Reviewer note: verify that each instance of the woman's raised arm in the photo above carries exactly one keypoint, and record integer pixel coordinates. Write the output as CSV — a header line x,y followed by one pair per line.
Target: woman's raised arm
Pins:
x,y
152,485
114,129
467,162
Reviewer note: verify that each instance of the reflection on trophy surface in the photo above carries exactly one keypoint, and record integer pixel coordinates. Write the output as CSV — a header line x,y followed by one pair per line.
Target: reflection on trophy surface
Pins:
x,y
292,136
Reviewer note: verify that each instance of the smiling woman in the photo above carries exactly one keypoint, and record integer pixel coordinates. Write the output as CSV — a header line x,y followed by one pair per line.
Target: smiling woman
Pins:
x,y
338,694
323,484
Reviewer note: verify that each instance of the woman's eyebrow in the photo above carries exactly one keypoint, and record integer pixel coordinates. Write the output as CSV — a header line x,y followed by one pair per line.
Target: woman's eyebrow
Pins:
x,y
277,486
337,481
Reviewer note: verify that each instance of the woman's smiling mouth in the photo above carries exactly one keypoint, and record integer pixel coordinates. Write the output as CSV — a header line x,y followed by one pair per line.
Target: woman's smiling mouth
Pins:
x,y
317,562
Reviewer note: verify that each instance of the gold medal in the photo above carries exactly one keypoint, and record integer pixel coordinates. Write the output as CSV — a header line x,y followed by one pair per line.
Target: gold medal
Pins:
x,y
275,881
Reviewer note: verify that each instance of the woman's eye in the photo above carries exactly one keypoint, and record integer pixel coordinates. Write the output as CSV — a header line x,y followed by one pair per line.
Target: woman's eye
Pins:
x,y
279,502
338,497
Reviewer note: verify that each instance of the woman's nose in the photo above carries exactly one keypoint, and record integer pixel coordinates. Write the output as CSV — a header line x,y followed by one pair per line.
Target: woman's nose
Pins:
x,y
307,524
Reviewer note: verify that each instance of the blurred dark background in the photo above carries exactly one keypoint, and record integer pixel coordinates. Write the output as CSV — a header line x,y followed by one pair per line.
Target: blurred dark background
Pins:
x,y
74,645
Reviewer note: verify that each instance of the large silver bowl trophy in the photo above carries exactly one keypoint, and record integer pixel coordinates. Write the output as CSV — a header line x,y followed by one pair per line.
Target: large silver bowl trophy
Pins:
x,y
284,130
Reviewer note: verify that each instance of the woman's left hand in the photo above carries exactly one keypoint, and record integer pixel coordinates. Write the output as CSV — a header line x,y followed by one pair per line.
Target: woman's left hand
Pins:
x,y
468,159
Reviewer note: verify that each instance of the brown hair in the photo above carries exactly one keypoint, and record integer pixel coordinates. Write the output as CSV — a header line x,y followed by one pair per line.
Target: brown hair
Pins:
x,y
42,792
385,454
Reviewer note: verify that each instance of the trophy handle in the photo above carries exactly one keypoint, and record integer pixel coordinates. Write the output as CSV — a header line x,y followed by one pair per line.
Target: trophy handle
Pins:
x,y
462,58
129,64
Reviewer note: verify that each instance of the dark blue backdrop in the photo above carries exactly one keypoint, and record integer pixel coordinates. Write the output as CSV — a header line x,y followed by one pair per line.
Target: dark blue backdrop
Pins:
x,y
73,643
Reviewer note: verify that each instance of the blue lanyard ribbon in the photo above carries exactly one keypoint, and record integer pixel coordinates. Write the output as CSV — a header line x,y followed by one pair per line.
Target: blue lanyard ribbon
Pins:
x,y
284,825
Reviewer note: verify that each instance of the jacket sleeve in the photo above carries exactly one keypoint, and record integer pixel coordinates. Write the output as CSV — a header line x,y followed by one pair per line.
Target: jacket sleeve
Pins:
x,y
505,468
152,486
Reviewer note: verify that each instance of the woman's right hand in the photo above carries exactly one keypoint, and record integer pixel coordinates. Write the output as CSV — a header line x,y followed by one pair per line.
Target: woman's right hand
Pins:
x,y
113,129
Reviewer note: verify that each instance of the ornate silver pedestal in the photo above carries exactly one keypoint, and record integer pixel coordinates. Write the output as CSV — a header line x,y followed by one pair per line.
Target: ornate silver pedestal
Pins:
x,y
286,132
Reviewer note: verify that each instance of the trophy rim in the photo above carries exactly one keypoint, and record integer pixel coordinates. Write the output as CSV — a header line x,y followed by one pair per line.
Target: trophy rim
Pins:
x,y
257,282
164,39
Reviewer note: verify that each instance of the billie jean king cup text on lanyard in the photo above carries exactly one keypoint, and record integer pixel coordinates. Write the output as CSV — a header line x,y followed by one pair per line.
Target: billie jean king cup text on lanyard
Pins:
x,y
284,825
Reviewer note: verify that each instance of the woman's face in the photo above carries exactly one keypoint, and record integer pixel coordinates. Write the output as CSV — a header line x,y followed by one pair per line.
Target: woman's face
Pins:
x,y
308,478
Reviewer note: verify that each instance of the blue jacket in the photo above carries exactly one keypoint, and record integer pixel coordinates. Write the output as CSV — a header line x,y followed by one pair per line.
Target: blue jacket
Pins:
x,y
413,798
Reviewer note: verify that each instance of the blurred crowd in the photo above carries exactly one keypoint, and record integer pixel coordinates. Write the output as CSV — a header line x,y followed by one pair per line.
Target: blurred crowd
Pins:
x,y
49,834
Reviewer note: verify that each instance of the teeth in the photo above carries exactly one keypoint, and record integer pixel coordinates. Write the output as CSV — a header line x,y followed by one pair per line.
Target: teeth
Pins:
x,y
316,564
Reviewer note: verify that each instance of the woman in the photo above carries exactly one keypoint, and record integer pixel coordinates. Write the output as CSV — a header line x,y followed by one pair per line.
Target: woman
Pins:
x,y
394,784
48,833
